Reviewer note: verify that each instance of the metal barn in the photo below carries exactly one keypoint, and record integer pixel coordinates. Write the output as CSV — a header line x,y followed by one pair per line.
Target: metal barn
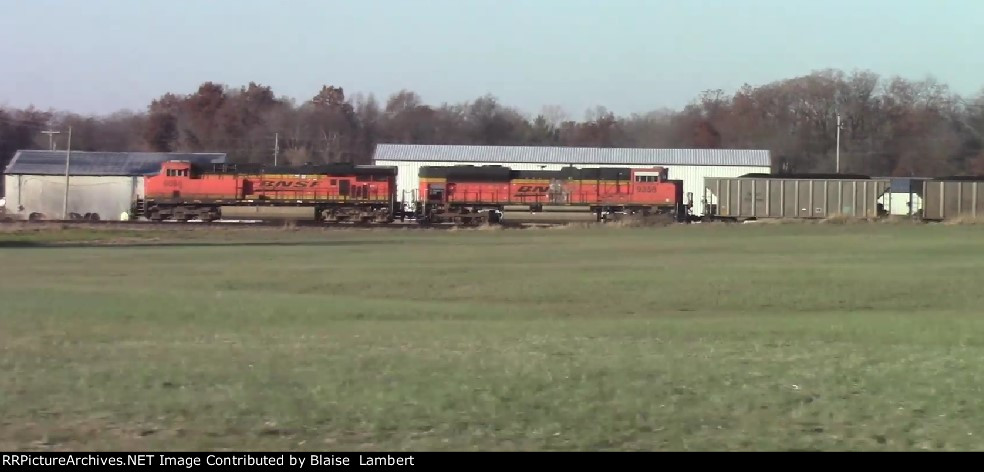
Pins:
x,y
904,196
689,165
100,183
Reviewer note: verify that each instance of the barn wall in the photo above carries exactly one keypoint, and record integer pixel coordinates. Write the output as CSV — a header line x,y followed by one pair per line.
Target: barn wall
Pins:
x,y
692,176
107,196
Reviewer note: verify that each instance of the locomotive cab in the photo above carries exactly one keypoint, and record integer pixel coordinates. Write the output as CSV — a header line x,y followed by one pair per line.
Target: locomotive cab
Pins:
x,y
177,169
656,174
176,174
653,182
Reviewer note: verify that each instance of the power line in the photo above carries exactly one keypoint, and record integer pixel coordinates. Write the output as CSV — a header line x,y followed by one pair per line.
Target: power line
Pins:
x,y
838,143
68,160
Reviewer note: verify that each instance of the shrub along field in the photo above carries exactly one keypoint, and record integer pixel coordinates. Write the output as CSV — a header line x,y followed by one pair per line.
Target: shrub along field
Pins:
x,y
699,337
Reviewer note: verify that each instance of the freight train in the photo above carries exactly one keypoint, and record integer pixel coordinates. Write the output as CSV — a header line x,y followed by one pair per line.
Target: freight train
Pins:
x,y
473,195
459,195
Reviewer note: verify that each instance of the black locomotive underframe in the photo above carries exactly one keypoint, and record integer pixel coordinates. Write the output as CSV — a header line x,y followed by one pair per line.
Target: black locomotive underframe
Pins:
x,y
210,210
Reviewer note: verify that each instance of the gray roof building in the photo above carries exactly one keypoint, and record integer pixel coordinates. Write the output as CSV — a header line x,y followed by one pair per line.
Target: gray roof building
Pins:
x,y
572,155
40,162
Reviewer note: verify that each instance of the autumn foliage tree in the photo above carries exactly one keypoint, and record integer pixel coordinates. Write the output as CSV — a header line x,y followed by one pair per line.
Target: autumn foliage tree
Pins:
x,y
890,126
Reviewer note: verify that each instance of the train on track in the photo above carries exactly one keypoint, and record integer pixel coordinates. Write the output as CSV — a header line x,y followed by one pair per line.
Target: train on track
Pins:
x,y
457,195
474,195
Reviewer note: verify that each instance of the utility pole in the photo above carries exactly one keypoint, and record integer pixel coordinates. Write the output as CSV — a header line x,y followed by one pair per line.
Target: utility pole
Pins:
x,y
51,142
838,143
276,147
68,160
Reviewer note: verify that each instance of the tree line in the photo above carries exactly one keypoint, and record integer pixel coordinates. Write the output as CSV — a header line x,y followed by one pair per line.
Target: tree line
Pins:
x,y
889,126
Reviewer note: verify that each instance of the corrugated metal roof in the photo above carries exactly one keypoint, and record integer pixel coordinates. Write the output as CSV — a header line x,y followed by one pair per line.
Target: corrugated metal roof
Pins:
x,y
572,155
37,162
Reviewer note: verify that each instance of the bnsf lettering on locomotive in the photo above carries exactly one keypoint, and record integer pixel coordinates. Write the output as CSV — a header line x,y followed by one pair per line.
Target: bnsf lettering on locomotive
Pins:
x,y
534,189
289,184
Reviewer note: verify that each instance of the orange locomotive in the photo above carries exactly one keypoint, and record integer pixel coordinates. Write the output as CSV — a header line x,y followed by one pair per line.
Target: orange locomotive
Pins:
x,y
478,194
330,192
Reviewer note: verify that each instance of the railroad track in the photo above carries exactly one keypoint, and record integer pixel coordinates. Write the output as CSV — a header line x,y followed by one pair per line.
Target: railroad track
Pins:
x,y
145,224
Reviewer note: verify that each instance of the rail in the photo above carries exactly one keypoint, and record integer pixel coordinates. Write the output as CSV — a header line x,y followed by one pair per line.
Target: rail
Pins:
x,y
142,224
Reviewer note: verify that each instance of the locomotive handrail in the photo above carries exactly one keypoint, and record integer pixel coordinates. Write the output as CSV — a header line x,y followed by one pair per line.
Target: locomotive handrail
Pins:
x,y
274,195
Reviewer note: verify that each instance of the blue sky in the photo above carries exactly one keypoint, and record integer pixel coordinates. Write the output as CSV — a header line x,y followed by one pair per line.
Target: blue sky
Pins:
x,y
98,56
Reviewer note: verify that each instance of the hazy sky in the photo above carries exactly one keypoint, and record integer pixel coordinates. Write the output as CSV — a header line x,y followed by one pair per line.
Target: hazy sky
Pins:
x,y
98,56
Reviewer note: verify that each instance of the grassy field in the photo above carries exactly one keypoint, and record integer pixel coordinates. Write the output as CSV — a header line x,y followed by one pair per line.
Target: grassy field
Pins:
x,y
700,337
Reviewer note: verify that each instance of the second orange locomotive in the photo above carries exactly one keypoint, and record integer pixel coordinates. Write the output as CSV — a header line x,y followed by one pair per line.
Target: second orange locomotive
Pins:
x,y
477,194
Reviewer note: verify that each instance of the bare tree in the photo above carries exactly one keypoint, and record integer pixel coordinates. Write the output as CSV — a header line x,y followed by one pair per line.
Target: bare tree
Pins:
x,y
890,126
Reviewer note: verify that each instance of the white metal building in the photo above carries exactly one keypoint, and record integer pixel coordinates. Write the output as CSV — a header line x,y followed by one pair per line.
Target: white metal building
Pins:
x,y
904,196
689,165
101,183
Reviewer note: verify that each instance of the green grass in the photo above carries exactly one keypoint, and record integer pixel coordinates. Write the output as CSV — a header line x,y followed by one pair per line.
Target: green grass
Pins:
x,y
700,337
